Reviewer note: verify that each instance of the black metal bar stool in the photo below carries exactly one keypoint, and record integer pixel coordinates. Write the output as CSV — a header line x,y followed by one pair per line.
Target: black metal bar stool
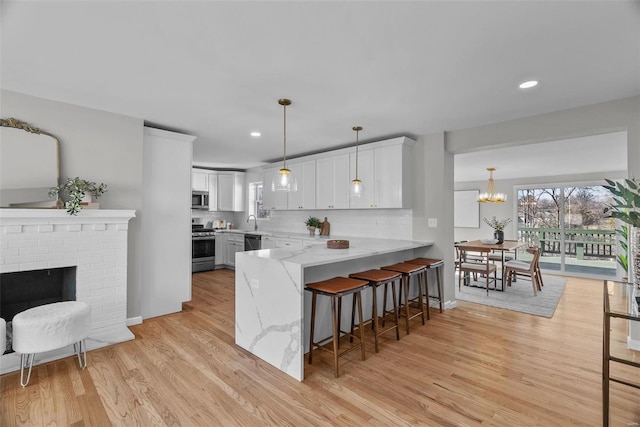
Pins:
x,y
336,288
408,271
376,279
437,265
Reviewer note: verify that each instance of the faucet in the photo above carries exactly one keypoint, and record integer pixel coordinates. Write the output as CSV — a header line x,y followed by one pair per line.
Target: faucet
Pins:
x,y
255,221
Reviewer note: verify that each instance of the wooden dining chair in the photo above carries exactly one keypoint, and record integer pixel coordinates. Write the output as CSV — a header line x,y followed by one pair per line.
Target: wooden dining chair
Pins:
x,y
484,268
530,269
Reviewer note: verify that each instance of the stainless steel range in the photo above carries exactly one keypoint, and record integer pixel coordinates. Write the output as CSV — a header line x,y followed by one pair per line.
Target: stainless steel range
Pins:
x,y
203,248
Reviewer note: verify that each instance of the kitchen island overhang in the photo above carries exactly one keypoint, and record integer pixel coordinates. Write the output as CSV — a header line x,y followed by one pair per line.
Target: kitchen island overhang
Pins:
x,y
272,311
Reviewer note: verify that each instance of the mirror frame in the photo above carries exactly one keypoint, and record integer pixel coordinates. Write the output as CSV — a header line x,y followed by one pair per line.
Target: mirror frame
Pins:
x,y
19,124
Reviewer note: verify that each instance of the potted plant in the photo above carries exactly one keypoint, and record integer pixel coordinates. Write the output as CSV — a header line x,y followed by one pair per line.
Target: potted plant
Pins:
x,y
626,208
498,227
312,223
75,190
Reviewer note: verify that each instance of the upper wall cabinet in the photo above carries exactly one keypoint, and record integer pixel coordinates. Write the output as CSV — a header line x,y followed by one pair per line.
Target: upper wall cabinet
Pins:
x,y
385,170
305,197
231,191
213,190
199,180
332,182
272,200
384,167
366,174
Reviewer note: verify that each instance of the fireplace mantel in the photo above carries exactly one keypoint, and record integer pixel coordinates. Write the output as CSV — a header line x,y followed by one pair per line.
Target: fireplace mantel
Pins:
x,y
94,241
60,216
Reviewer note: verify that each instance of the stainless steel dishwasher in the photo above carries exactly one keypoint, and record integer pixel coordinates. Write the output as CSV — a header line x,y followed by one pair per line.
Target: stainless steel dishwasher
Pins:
x,y
252,242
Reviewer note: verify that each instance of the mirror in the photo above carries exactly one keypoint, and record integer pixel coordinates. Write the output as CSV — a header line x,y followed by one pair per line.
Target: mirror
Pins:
x,y
29,165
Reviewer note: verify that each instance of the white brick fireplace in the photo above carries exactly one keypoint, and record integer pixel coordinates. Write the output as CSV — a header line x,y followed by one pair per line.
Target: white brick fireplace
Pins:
x,y
95,242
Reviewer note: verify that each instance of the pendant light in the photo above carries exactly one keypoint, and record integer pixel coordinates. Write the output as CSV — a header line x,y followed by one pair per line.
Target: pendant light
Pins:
x,y
283,179
357,188
491,196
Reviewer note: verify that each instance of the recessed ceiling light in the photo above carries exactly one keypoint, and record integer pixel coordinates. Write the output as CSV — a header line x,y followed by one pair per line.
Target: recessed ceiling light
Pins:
x,y
256,134
529,84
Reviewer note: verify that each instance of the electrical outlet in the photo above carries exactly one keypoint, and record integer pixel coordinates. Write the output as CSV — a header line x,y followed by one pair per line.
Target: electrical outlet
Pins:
x,y
433,222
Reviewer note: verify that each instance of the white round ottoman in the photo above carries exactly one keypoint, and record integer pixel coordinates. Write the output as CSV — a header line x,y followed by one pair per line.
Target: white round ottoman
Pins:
x,y
48,327
3,336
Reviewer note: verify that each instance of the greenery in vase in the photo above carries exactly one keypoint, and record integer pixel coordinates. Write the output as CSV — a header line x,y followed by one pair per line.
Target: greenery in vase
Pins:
x,y
626,208
75,189
496,224
312,221
622,258
626,201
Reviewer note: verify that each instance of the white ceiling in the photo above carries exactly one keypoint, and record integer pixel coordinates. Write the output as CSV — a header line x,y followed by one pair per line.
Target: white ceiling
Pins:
x,y
215,69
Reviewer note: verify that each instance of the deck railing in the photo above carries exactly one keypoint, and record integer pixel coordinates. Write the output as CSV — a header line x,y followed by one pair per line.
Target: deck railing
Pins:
x,y
581,244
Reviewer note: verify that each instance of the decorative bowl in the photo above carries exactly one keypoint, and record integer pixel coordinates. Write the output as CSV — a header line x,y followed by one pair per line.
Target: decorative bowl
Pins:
x,y
337,244
489,241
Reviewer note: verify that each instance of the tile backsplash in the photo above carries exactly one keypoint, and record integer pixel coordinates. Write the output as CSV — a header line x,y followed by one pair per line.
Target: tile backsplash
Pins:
x,y
205,217
380,223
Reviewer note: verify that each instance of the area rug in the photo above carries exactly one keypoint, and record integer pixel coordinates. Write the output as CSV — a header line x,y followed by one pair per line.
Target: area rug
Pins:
x,y
519,297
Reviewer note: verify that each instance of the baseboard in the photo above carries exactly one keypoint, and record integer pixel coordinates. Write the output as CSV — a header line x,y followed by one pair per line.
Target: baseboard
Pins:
x,y
448,305
134,321
633,344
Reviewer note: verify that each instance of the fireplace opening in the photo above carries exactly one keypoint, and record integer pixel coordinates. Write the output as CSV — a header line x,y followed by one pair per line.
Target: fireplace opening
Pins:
x,y
22,290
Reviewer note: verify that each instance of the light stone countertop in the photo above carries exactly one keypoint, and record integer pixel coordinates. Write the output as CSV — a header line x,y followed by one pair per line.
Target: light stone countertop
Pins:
x,y
313,255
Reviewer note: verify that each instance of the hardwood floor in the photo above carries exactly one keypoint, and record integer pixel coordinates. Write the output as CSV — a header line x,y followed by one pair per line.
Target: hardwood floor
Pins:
x,y
473,365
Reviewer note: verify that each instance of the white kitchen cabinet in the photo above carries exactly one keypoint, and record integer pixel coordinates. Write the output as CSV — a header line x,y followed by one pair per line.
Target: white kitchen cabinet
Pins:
x,y
282,242
235,243
231,191
366,174
221,248
384,167
385,172
393,175
305,197
332,182
213,190
272,200
268,242
199,180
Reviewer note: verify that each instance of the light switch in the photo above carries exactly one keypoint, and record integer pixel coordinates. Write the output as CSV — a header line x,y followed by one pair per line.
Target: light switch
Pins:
x,y
433,222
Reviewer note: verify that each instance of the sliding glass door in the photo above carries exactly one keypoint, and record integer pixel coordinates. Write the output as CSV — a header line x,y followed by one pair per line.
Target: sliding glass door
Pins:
x,y
568,225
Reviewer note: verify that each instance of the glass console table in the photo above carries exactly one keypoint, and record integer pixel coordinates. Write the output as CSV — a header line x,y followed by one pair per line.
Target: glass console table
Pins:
x,y
621,300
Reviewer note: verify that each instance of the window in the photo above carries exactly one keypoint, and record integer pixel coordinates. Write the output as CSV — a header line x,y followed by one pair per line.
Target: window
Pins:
x,y
568,224
256,206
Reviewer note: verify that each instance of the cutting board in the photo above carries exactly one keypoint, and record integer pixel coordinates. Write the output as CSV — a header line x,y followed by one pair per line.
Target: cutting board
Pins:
x,y
325,227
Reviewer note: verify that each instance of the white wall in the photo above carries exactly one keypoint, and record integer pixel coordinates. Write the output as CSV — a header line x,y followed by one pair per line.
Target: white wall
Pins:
x,y
613,116
98,146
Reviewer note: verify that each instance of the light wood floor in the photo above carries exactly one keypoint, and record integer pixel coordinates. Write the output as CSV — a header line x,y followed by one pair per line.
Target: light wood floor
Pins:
x,y
474,365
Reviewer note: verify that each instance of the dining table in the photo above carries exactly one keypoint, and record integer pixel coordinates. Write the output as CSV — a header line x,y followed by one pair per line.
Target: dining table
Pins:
x,y
505,246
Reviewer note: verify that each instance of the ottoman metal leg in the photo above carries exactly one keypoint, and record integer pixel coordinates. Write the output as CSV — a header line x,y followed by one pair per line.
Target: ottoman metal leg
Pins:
x,y
25,359
81,349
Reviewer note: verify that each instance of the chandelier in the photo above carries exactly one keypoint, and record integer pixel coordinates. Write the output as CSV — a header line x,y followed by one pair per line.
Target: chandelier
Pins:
x,y
491,196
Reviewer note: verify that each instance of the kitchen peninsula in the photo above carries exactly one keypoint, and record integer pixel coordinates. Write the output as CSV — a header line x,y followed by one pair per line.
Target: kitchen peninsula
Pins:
x,y
272,308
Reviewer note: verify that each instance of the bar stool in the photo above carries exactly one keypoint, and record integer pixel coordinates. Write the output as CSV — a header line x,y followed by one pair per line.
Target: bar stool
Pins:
x,y
336,288
376,279
437,265
407,271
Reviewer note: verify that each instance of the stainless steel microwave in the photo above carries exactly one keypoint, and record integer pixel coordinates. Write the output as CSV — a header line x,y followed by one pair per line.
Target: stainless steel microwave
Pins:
x,y
199,200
